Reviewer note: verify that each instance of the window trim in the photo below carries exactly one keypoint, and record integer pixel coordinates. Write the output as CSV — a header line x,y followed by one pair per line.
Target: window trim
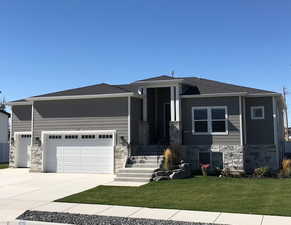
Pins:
x,y
209,120
253,117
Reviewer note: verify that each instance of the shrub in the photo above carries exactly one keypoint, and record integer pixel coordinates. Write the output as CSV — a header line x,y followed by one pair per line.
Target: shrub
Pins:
x,y
286,168
172,156
261,172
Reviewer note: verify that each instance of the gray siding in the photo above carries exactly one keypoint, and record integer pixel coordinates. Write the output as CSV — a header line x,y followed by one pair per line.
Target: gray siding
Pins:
x,y
136,117
89,114
21,118
260,131
233,136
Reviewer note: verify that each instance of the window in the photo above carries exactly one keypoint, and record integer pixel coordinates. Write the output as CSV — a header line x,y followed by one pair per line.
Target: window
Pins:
x,y
55,137
257,112
71,137
210,120
88,136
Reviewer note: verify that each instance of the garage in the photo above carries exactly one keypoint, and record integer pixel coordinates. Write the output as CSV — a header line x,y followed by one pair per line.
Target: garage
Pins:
x,y
78,151
22,142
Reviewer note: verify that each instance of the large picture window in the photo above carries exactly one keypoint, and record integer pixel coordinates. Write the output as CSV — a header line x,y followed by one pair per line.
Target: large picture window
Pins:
x,y
210,120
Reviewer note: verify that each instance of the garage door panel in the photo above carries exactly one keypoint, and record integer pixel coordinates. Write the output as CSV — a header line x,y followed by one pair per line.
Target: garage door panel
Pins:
x,y
23,141
80,153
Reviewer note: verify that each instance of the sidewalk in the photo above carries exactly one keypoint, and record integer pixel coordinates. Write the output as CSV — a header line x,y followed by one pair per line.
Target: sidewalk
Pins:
x,y
166,214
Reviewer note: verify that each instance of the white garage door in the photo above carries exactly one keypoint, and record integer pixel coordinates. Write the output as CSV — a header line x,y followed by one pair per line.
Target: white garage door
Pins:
x,y
79,152
22,142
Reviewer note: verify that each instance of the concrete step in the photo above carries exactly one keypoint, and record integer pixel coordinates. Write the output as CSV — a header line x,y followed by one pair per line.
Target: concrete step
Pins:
x,y
146,156
139,175
144,162
143,165
131,179
136,170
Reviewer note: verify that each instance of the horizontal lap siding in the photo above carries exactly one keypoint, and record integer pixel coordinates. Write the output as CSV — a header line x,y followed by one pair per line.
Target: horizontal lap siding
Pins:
x,y
260,131
21,118
233,137
88,114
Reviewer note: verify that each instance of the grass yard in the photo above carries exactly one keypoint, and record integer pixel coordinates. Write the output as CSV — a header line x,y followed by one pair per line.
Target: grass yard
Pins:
x,y
256,196
4,165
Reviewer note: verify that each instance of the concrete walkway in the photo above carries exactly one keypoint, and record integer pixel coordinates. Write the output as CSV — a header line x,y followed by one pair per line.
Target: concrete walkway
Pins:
x,y
166,214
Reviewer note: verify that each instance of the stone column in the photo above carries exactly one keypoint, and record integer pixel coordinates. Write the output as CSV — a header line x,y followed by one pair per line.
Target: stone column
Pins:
x,y
36,162
175,132
120,156
12,150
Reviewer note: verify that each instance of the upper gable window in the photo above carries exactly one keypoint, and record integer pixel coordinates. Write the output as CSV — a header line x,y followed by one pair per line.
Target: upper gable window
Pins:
x,y
257,112
209,120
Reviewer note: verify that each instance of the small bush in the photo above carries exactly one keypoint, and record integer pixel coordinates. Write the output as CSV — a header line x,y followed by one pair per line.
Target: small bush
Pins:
x,y
172,157
261,172
286,168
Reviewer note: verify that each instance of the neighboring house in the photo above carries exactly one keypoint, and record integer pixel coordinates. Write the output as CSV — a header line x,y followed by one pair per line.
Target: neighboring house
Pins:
x,y
4,149
95,128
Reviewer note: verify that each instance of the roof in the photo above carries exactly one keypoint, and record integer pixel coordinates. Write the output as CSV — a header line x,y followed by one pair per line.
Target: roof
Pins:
x,y
88,90
192,86
205,86
158,78
4,112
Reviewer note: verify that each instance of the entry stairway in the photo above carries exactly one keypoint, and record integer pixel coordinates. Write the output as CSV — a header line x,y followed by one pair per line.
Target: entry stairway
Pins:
x,y
139,168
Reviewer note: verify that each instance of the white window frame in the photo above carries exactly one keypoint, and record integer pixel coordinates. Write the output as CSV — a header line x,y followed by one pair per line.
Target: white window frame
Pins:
x,y
253,108
209,120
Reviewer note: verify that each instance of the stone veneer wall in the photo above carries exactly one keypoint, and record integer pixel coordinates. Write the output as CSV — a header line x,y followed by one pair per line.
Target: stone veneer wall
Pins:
x,y
12,151
225,156
260,156
36,159
120,156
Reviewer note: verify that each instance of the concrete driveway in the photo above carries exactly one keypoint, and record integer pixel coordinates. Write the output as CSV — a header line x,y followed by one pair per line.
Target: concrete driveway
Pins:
x,y
21,190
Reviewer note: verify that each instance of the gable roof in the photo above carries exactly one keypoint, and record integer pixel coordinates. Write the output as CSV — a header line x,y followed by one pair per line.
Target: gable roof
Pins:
x,y
192,86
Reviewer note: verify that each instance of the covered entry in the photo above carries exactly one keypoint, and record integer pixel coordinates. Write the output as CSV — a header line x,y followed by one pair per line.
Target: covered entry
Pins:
x,y
78,151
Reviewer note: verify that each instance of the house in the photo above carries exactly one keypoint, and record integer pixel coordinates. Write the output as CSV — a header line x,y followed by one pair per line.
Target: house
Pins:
x,y
4,149
95,129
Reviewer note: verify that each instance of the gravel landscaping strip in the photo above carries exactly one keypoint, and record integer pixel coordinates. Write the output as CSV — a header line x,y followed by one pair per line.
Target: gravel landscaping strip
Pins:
x,y
81,219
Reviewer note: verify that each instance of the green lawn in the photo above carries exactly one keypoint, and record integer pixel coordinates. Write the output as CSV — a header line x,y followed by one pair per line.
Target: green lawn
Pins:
x,y
238,195
4,165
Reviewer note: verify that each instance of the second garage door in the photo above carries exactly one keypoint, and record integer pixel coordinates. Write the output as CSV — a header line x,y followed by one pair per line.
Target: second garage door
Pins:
x,y
79,152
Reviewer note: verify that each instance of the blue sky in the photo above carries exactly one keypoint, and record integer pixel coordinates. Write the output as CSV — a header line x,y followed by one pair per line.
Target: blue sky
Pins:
x,y
53,45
